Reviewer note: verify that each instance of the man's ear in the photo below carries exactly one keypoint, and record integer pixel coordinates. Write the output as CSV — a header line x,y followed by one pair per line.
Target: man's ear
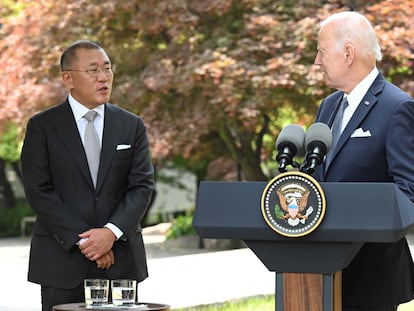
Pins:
x,y
349,54
67,80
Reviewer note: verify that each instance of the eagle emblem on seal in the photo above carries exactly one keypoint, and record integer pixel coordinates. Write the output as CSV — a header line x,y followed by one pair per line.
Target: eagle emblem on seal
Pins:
x,y
293,204
293,199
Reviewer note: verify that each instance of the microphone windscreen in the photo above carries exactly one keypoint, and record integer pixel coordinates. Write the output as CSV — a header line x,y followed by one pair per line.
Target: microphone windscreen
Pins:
x,y
292,134
319,132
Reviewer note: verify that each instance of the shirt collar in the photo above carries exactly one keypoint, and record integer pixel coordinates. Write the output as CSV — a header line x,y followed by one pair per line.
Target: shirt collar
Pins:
x,y
359,91
79,110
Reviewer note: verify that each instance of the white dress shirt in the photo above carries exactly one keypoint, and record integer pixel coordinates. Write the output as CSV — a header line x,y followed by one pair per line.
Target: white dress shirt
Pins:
x,y
79,111
356,96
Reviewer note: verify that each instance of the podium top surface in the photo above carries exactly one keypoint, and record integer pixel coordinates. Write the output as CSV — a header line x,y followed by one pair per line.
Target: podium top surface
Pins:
x,y
355,212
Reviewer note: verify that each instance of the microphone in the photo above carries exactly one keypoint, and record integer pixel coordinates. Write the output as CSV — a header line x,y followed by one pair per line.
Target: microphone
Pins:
x,y
288,144
317,143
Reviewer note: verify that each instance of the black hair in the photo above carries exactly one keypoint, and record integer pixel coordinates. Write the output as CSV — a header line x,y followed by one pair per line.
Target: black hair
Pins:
x,y
69,55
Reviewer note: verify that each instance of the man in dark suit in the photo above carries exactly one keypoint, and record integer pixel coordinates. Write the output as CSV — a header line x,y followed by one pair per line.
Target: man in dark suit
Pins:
x,y
88,220
376,145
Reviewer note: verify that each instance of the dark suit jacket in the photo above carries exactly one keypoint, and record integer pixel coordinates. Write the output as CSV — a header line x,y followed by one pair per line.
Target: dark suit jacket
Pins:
x,y
381,273
59,188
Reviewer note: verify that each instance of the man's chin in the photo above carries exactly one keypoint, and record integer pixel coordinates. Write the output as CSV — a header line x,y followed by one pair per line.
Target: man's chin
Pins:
x,y
103,100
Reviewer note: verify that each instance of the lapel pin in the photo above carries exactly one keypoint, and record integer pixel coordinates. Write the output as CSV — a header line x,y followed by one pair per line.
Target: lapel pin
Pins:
x,y
366,103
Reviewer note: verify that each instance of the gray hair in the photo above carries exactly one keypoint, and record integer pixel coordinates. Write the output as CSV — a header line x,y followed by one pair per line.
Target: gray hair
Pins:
x,y
355,28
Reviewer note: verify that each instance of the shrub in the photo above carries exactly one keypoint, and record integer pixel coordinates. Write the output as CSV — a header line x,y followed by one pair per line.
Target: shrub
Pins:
x,y
182,225
10,219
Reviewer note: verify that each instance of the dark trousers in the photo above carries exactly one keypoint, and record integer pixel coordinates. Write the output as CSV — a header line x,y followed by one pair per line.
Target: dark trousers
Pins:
x,y
56,296
375,308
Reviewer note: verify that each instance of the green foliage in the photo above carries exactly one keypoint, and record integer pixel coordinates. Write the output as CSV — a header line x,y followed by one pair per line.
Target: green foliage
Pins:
x,y
403,69
11,7
182,225
278,212
10,220
258,303
10,144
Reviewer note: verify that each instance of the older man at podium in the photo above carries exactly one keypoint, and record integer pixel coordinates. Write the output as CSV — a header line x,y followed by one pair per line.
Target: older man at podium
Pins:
x,y
372,122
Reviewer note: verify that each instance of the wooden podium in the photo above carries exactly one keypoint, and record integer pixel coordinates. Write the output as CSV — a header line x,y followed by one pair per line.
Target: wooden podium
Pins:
x,y
308,268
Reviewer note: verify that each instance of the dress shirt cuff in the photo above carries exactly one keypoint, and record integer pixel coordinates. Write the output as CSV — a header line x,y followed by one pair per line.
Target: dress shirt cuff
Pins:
x,y
115,230
80,242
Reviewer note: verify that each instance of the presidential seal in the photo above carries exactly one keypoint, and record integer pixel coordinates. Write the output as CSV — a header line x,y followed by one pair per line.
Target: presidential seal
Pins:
x,y
293,204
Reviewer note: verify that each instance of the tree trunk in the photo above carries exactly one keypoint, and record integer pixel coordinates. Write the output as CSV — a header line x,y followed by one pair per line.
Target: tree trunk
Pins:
x,y
251,169
8,200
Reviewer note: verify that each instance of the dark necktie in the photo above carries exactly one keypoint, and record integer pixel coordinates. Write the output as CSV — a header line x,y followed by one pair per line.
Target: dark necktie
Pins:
x,y
336,129
337,124
92,145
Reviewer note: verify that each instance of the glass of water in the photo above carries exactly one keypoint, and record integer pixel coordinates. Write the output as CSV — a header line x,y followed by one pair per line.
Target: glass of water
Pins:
x,y
123,292
96,292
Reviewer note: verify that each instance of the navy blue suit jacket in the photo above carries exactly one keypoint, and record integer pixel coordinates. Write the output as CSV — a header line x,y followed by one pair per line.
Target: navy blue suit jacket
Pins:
x,y
377,145
59,188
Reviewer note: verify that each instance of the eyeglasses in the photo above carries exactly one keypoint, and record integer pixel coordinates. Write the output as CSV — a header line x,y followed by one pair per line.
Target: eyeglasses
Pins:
x,y
94,72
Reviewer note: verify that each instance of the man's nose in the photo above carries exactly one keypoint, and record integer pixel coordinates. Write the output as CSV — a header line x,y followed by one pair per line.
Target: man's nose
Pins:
x,y
102,76
317,60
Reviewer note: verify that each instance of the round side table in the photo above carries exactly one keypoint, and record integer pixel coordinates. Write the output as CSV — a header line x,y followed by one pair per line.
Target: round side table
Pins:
x,y
141,306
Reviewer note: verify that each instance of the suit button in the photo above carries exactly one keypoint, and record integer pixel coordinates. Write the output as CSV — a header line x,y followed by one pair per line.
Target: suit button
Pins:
x,y
58,239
